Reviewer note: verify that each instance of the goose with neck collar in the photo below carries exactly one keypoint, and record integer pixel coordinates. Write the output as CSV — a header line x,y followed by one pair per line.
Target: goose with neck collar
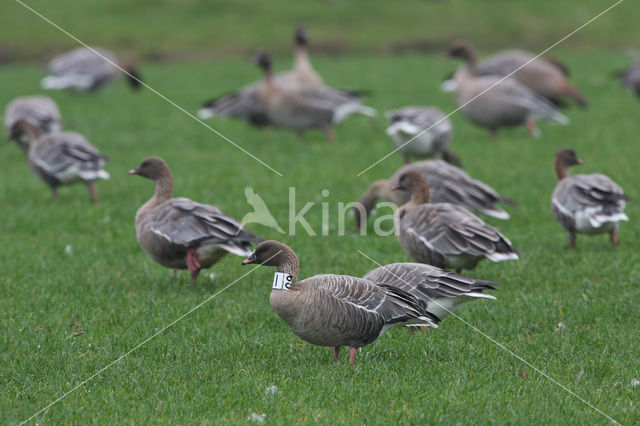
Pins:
x,y
447,184
180,233
336,310
587,204
443,234
488,102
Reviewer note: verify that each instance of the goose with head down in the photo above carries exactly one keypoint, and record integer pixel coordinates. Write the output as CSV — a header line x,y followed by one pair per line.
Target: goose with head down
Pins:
x,y
39,111
180,233
587,204
445,235
335,310
447,184
494,102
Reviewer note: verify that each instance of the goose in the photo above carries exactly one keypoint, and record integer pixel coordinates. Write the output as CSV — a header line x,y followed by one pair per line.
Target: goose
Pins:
x,y
84,70
39,111
244,103
63,158
447,184
445,235
304,108
587,204
335,310
631,77
441,291
544,76
180,233
421,132
488,102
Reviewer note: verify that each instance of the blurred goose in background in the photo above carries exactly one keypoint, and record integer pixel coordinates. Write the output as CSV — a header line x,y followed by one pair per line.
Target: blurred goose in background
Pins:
x,y
63,158
587,204
304,108
631,77
443,234
447,184
488,102
39,111
244,104
428,130
335,310
181,234
441,291
546,77
84,70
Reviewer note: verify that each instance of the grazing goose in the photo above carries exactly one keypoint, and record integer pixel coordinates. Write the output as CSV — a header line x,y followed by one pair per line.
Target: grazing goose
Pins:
x,y
546,77
181,234
441,291
445,235
428,129
488,102
63,158
587,204
335,310
84,70
305,108
447,184
244,103
39,111
631,77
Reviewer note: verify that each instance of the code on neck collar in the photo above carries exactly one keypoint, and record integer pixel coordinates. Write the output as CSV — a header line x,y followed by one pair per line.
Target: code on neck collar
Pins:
x,y
282,281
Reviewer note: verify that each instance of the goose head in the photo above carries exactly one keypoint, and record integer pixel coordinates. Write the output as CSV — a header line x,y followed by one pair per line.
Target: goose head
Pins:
x,y
565,158
301,36
414,183
133,76
462,50
263,60
154,168
275,253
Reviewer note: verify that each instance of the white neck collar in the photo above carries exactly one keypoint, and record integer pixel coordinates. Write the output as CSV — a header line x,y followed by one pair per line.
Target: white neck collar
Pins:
x,y
282,281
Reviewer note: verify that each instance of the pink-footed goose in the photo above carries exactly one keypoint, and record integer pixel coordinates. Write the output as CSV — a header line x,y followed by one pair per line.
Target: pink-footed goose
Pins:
x,y
63,158
335,310
587,204
304,108
441,291
421,132
544,76
244,103
443,234
84,70
181,234
39,111
488,102
447,184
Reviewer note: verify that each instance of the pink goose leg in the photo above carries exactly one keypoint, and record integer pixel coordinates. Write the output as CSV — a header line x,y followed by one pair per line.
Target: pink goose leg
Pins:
x,y
352,354
192,263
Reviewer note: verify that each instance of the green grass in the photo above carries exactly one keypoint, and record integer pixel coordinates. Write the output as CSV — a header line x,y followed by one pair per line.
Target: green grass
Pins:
x,y
215,365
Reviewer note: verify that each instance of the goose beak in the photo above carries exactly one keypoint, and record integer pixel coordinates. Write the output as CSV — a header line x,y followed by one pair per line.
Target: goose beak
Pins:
x,y
395,187
250,259
579,161
133,172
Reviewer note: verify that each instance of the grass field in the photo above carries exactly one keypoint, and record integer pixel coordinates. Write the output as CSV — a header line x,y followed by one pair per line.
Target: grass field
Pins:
x,y
215,365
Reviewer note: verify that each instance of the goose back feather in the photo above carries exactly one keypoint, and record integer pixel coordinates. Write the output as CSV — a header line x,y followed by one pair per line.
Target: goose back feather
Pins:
x,y
39,111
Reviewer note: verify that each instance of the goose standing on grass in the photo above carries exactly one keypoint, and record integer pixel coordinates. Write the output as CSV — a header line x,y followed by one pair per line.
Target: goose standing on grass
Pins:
x,y
445,235
441,291
488,102
304,108
63,158
335,310
587,204
40,111
447,184
244,104
546,77
85,70
181,234
421,132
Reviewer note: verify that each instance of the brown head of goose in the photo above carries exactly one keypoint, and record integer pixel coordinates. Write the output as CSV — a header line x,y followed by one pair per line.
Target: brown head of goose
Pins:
x,y
305,107
587,204
445,235
87,69
180,233
39,111
493,102
447,184
335,310
441,291
63,158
